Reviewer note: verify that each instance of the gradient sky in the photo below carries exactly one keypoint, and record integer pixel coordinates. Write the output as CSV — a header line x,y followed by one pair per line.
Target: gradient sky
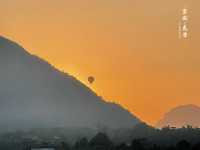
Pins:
x,y
130,46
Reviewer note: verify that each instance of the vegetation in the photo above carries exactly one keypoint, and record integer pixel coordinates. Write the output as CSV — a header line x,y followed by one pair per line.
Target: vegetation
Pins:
x,y
141,137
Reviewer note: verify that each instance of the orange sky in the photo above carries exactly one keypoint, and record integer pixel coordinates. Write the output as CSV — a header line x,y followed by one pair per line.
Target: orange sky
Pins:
x,y
130,46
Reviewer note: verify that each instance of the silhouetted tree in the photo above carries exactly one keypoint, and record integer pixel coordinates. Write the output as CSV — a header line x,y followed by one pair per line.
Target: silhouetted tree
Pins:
x,y
137,144
183,145
64,146
82,144
122,146
155,147
171,148
101,142
196,146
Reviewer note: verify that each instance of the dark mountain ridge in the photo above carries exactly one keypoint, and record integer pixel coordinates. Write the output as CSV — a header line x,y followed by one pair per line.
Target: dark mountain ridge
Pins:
x,y
181,116
33,93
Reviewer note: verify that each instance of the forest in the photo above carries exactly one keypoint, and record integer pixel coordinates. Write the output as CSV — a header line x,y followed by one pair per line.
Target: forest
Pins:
x,y
141,137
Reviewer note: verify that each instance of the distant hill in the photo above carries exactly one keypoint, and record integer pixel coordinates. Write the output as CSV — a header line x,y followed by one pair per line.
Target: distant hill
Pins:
x,y
181,116
34,94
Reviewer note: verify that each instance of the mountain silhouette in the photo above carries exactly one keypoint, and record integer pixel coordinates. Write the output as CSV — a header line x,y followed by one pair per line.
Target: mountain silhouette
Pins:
x,y
34,94
181,116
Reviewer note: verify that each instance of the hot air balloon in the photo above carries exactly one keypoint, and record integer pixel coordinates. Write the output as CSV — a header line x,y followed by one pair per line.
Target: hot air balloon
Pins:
x,y
91,79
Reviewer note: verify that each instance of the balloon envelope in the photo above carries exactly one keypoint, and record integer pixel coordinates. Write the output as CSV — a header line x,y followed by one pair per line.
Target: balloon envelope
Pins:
x,y
91,79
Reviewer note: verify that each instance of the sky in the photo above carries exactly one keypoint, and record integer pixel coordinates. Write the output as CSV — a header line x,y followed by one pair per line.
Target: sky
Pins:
x,y
131,47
